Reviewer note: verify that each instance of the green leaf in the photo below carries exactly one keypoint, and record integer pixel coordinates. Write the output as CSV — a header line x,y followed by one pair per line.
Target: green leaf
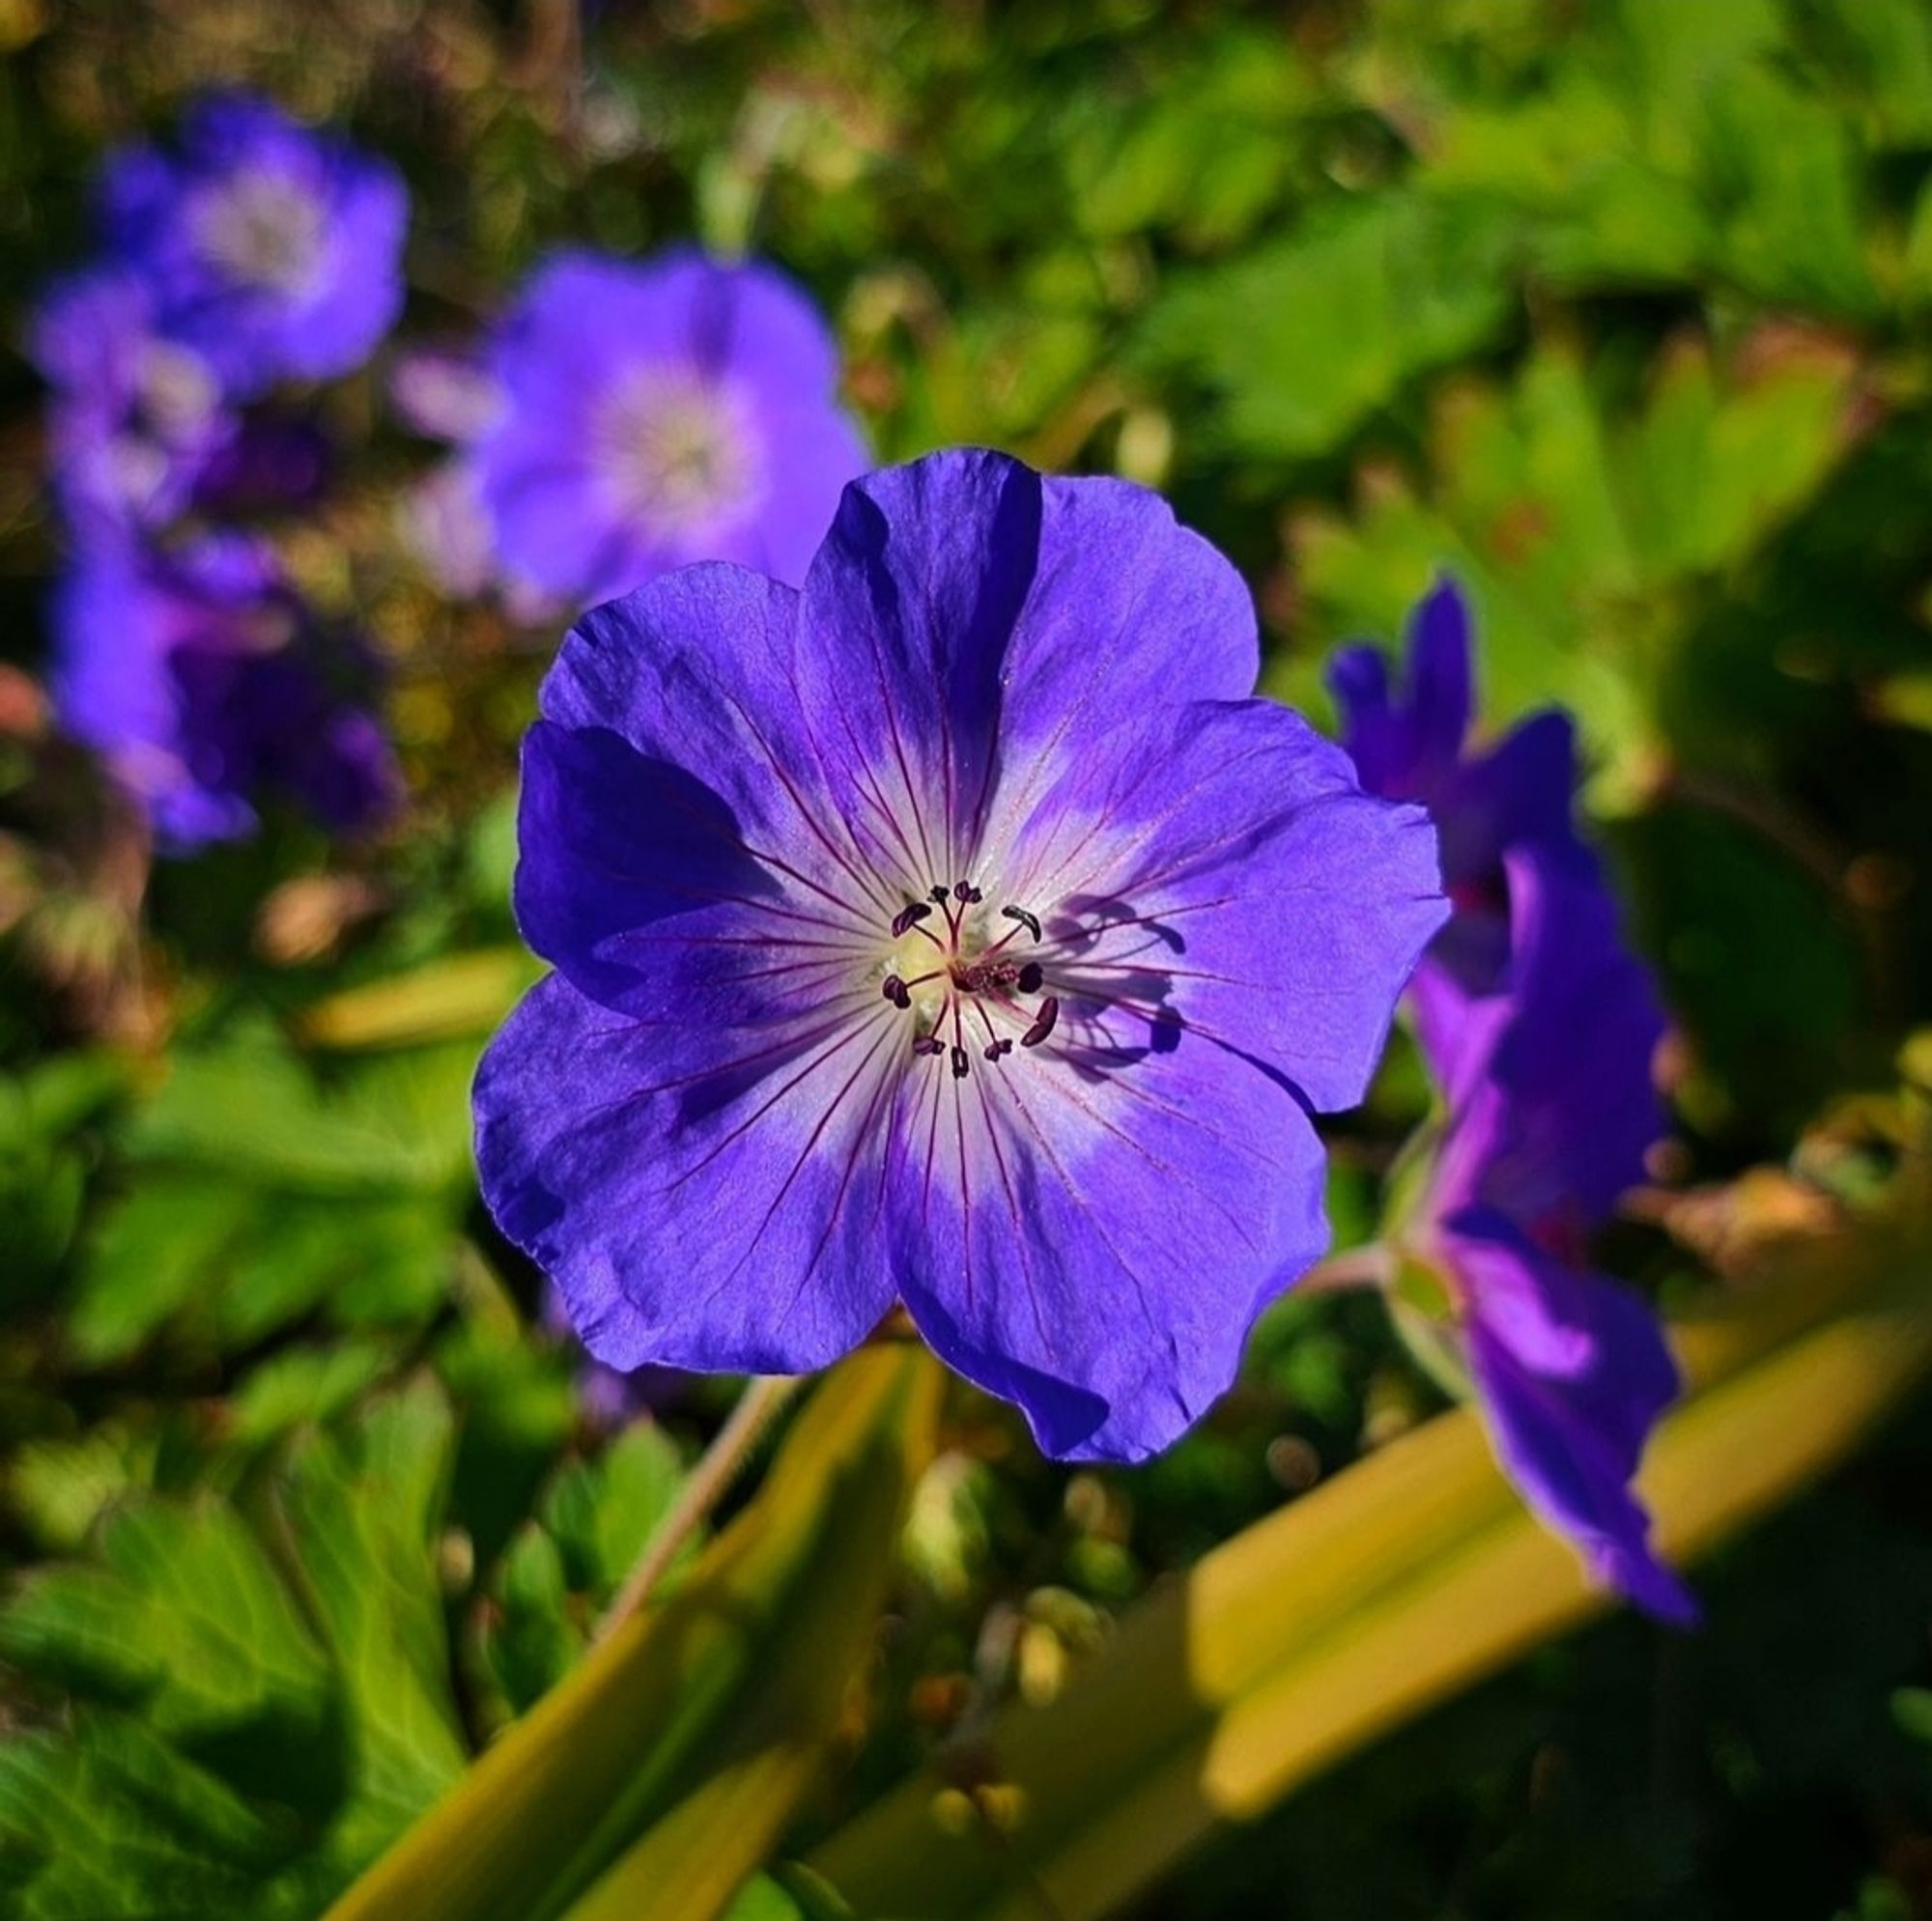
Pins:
x,y
358,1510
1301,340
107,1821
249,1106
42,1168
1589,529
602,1511
301,1385
247,1713
673,1755
59,1488
259,1194
563,1567
1912,1710
181,1614
148,1256
228,1262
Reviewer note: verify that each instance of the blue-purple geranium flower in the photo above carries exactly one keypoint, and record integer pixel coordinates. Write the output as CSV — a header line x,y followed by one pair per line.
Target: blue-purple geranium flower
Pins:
x,y
135,423
956,933
1550,1110
652,417
138,432
1540,1027
1412,745
201,679
273,251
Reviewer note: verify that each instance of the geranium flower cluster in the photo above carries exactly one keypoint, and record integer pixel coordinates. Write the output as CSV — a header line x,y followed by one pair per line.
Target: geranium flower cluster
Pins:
x,y
1539,1026
251,254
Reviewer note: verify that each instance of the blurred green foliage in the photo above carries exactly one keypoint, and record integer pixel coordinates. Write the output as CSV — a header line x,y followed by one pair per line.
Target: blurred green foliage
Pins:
x,y
1621,310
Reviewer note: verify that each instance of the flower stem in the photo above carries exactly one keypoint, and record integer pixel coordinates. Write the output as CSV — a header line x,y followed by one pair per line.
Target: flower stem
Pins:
x,y
703,1488
1372,1265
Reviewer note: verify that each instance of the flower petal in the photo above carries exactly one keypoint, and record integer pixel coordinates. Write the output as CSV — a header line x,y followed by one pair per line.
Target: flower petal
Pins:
x,y
702,1199
1572,1374
975,629
680,848
1519,794
1405,744
1216,866
1090,1230
1552,1099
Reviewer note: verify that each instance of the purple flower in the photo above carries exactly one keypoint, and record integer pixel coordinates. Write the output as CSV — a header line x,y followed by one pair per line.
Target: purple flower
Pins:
x,y
1518,794
135,422
652,417
273,251
956,932
199,677
1549,1110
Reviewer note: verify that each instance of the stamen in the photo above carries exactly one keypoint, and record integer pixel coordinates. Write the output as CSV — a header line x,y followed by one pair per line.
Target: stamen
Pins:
x,y
1049,1014
974,982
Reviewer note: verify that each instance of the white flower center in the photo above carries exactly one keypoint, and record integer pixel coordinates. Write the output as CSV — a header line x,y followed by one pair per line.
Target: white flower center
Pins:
x,y
175,393
682,453
263,231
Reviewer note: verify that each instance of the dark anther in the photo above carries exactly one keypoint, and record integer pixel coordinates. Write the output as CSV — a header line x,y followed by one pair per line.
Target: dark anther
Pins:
x,y
1030,921
998,1050
909,916
896,991
1049,1012
960,1064
927,1044
1031,975
965,891
939,897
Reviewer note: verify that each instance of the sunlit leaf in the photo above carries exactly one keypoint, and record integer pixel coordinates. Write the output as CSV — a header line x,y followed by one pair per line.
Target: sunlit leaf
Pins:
x,y
255,1702
688,1735
1302,339
1389,1587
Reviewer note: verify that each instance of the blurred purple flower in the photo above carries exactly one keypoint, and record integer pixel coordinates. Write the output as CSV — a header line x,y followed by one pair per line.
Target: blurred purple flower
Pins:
x,y
135,422
273,251
956,932
1540,1027
199,677
1550,1109
449,529
652,417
